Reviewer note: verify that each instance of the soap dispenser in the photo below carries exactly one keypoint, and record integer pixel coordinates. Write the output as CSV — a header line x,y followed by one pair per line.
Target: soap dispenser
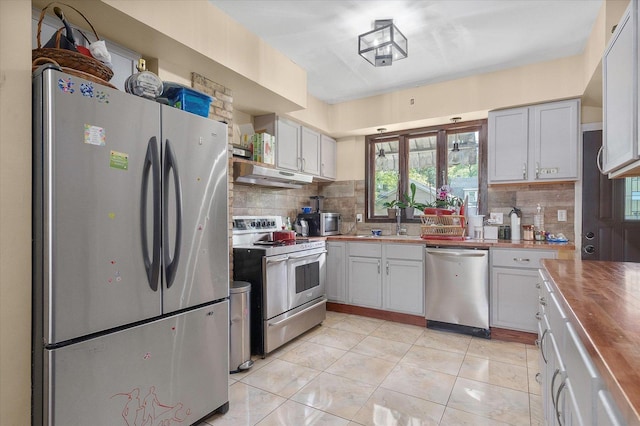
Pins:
x,y
515,215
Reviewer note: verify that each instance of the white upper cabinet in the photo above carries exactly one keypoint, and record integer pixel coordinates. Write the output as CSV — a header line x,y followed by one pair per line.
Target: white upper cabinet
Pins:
x,y
287,145
535,143
555,135
328,155
310,151
508,144
299,148
620,98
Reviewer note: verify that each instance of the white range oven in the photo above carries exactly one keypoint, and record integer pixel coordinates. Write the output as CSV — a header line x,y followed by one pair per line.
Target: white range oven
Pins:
x,y
287,281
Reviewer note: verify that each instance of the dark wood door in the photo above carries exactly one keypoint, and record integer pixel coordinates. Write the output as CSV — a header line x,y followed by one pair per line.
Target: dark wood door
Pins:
x,y
606,235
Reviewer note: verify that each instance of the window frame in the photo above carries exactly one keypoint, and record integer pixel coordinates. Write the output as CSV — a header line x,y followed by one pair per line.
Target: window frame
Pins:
x,y
403,137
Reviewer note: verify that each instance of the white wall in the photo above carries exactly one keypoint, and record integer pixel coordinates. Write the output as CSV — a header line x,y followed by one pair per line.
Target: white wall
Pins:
x,y
15,212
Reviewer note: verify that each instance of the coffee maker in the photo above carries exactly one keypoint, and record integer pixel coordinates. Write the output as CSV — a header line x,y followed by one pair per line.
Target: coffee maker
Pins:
x,y
317,202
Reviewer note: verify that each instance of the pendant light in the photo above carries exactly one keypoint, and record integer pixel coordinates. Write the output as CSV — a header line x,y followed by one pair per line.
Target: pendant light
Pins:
x,y
381,159
455,156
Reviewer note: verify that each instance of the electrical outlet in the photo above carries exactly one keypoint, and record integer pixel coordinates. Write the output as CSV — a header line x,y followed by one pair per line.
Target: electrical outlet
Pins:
x,y
562,215
359,217
497,218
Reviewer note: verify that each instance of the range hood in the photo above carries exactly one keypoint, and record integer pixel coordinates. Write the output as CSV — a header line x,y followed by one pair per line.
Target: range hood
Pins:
x,y
254,174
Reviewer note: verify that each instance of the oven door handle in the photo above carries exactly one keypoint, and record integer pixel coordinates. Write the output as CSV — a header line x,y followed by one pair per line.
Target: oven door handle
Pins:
x,y
308,255
284,259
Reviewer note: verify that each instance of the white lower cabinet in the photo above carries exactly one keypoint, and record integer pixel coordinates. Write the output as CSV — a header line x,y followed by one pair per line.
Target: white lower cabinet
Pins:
x,y
364,276
573,392
514,275
403,282
336,283
386,276
606,411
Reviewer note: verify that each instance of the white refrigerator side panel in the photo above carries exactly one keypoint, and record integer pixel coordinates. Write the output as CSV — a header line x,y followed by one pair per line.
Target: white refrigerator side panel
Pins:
x,y
171,371
94,145
199,147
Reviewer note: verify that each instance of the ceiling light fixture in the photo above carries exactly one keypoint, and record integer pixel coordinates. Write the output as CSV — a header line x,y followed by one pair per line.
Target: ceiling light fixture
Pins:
x,y
383,45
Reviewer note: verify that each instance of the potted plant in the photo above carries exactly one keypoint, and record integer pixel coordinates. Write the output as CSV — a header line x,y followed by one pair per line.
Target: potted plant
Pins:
x,y
392,208
445,203
410,204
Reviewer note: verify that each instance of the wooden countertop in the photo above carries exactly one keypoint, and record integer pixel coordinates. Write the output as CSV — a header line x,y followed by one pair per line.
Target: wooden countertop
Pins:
x,y
482,244
602,301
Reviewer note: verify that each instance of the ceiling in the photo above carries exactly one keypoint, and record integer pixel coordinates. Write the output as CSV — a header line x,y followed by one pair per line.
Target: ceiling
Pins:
x,y
447,39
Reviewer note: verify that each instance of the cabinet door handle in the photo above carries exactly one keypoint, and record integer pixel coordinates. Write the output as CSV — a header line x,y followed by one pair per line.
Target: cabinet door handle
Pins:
x,y
553,380
524,170
538,317
541,345
538,286
558,413
537,170
387,268
304,164
599,160
542,300
539,378
378,267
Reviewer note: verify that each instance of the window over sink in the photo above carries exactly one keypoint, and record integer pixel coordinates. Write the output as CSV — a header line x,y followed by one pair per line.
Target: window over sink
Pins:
x,y
452,154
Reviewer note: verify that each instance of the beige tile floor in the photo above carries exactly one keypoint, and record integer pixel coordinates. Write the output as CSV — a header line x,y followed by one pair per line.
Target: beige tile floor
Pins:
x,y
353,370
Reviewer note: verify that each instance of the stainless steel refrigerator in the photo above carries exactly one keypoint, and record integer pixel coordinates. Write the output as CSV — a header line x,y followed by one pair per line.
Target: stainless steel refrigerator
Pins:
x,y
131,258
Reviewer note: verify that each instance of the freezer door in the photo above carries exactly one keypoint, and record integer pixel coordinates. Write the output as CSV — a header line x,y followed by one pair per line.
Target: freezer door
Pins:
x,y
195,219
90,145
171,371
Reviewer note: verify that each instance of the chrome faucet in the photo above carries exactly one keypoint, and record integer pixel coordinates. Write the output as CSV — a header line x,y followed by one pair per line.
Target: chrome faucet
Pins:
x,y
398,213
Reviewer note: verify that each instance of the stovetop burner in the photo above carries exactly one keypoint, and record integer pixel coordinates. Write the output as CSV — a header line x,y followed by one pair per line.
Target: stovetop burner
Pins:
x,y
256,233
281,242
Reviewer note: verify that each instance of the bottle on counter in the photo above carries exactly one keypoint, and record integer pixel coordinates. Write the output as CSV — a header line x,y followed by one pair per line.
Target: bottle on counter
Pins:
x,y
515,215
538,223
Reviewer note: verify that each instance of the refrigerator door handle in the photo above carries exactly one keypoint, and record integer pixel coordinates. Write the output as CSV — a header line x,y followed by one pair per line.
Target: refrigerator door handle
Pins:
x,y
171,262
151,165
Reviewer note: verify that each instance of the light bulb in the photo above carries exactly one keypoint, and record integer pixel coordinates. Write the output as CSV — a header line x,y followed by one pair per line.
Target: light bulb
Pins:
x,y
381,160
454,158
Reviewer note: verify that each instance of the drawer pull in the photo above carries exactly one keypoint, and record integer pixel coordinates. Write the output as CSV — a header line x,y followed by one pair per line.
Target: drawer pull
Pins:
x,y
538,317
543,301
538,286
521,259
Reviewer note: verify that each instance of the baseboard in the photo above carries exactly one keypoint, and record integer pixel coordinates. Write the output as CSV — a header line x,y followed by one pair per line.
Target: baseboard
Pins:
x,y
496,333
377,313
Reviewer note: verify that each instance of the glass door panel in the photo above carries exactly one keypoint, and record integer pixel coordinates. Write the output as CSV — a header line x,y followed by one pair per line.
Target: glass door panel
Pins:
x,y
387,173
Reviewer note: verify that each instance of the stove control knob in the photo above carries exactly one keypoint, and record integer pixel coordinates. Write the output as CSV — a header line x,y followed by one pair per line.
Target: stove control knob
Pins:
x,y
253,224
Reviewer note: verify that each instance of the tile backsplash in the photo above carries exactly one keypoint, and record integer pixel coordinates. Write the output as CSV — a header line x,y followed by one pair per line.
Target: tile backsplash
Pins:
x,y
347,198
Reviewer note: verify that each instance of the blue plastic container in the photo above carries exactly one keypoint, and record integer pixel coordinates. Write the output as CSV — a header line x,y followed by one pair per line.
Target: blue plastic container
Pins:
x,y
187,99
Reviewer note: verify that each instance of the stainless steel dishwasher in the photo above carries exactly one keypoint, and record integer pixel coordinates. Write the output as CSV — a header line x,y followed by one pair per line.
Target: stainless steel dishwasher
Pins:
x,y
457,290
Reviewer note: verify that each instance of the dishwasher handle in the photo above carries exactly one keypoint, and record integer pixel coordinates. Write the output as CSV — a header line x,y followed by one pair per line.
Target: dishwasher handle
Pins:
x,y
454,253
